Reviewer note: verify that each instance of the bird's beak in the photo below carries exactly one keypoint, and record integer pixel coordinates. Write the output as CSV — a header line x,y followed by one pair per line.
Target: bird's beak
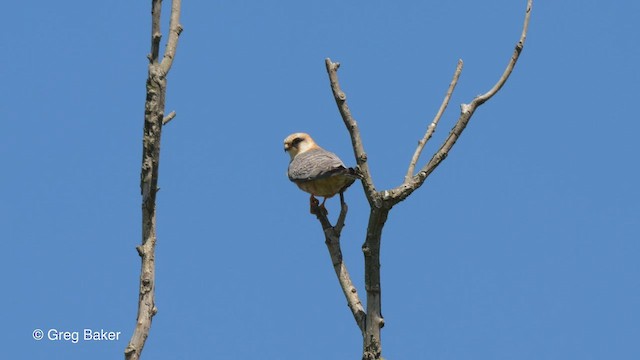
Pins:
x,y
286,147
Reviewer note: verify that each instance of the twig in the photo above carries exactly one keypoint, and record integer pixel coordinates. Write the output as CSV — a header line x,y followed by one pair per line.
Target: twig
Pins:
x,y
479,100
168,118
432,127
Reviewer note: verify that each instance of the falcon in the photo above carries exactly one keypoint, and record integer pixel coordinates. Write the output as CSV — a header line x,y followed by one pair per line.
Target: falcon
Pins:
x,y
316,170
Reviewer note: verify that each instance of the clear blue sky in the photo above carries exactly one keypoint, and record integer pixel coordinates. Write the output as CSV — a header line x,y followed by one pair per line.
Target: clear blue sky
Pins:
x,y
523,244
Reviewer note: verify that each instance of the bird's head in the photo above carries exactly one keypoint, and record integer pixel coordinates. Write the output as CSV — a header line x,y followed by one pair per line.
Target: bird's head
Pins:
x,y
298,143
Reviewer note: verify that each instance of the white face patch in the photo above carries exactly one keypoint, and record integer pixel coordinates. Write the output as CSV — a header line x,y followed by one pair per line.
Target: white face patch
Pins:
x,y
298,143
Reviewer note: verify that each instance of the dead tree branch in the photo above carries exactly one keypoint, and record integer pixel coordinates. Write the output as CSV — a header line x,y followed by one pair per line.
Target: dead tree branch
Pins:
x,y
352,126
412,183
432,127
381,202
153,122
175,29
332,240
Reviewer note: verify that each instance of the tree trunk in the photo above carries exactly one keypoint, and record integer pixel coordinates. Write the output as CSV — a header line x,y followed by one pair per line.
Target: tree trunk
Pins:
x,y
372,344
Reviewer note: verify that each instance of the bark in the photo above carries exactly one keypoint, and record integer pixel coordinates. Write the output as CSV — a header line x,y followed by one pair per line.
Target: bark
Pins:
x,y
372,343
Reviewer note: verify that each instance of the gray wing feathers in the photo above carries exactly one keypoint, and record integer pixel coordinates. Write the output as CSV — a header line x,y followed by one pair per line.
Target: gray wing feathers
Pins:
x,y
315,164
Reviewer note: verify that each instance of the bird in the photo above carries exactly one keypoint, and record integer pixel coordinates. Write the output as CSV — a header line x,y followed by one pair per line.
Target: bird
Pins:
x,y
315,170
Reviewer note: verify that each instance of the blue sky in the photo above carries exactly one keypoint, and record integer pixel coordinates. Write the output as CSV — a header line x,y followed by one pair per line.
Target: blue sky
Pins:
x,y
523,244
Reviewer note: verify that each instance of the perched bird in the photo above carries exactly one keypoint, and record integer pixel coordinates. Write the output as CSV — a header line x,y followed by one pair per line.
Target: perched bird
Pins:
x,y
316,170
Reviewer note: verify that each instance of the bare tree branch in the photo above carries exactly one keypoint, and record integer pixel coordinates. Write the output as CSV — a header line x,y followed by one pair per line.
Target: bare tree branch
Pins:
x,y
352,127
466,112
512,62
432,127
175,29
332,240
153,121
156,35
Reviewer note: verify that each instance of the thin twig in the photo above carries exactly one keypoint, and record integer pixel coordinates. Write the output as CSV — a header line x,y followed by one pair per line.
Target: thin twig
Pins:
x,y
343,214
168,118
432,127
512,62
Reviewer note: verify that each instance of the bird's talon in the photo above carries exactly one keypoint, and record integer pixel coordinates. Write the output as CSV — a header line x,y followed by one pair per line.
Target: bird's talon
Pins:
x,y
313,204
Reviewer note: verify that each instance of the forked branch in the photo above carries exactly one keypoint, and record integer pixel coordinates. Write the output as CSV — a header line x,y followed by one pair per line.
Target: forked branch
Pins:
x,y
412,183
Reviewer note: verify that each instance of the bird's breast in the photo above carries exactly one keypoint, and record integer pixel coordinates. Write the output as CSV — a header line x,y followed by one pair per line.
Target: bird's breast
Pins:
x,y
326,187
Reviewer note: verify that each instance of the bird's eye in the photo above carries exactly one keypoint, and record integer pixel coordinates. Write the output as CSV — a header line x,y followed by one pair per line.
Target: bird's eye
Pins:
x,y
296,141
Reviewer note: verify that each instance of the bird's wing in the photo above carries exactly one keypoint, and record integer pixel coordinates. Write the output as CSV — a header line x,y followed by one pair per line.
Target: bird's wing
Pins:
x,y
315,164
